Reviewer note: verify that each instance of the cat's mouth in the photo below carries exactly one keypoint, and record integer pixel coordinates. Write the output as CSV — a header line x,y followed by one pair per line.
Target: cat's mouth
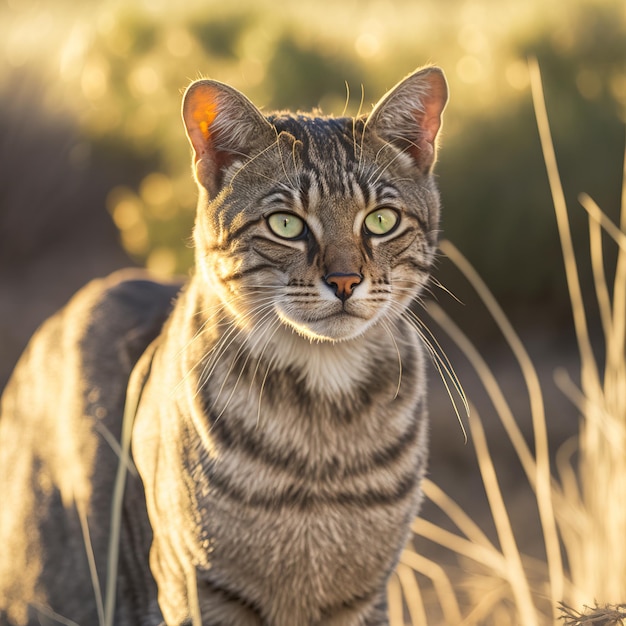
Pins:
x,y
340,314
338,325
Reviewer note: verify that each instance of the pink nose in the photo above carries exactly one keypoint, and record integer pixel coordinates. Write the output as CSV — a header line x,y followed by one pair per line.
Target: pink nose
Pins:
x,y
343,284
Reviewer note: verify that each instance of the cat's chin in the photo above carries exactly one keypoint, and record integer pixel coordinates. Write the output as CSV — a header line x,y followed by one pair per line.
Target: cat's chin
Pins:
x,y
335,328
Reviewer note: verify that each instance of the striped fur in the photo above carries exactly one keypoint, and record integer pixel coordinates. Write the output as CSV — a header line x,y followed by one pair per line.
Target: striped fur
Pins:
x,y
281,431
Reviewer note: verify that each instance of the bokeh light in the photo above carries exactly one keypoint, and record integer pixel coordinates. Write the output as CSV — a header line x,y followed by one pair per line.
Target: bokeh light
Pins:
x,y
120,68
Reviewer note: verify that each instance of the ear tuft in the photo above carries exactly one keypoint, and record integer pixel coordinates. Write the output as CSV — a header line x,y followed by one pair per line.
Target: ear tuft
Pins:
x,y
409,115
199,113
222,126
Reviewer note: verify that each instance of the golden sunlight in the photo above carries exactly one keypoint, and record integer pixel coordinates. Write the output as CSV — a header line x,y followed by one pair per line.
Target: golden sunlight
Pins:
x,y
90,97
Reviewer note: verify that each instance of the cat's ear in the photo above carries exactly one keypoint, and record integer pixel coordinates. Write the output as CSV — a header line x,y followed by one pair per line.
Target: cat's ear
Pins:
x,y
222,126
409,115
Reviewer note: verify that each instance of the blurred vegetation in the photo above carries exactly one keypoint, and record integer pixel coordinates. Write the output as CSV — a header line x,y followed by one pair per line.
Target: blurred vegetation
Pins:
x,y
120,69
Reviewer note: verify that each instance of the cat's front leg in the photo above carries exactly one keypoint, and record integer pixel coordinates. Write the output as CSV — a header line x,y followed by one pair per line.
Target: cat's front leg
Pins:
x,y
221,605
376,614
379,614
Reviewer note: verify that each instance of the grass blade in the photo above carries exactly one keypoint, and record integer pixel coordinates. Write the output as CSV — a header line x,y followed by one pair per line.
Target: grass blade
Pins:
x,y
515,569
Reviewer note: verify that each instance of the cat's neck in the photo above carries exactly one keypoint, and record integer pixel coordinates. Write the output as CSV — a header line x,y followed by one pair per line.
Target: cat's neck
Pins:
x,y
328,368
325,367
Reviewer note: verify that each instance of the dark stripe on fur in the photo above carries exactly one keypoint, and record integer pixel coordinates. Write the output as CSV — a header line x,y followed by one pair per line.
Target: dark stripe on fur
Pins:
x,y
230,595
415,264
253,269
411,235
234,435
234,235
299,497
350,603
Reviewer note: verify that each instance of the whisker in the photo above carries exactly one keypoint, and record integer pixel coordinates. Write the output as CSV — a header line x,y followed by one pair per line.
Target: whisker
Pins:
x,y
277,325
442,365
438,355
212,357
210,313
282,161
445,289
229,337
250,161
202,331
399,154
393,339
346,103
267,371
241,371
448,364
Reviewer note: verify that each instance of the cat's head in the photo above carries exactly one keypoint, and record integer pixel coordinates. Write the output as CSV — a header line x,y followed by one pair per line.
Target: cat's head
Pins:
x,y
326,225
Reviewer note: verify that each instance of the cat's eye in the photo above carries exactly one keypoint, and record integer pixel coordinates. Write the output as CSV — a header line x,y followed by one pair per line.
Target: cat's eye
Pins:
x,y
381,222
286,225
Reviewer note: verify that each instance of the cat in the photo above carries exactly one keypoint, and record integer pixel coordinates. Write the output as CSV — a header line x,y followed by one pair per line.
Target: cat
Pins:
x,y
276,402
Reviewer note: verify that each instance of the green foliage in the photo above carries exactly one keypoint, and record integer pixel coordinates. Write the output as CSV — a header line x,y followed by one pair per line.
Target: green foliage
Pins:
x,y
123,69
496,198
220,36
301,77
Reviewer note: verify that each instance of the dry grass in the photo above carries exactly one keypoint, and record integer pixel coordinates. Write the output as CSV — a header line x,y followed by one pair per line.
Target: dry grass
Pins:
x,y
599,616
580,507
581,512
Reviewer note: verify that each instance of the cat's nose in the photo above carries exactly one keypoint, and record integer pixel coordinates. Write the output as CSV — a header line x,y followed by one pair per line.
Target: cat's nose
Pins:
x,y
343,284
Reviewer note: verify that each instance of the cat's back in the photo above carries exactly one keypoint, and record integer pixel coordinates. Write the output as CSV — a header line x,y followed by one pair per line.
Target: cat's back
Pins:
x,y
60,415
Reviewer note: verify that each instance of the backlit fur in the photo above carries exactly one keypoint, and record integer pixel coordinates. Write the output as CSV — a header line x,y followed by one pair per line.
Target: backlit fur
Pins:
x,y
280,433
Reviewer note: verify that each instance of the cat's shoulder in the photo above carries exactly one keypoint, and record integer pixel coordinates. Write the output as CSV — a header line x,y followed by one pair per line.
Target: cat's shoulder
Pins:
x,y
99,334
60,416
126,300
128,306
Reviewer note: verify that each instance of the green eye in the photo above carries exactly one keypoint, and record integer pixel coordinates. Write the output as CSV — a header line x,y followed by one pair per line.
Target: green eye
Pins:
x,y
286,225
381,222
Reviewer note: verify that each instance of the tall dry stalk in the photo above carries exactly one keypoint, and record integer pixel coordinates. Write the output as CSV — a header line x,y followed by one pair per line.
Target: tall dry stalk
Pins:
x,y
582,512
598,545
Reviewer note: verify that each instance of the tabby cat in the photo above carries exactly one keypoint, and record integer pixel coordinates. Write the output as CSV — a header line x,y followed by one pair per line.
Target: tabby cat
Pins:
x,y
277,400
